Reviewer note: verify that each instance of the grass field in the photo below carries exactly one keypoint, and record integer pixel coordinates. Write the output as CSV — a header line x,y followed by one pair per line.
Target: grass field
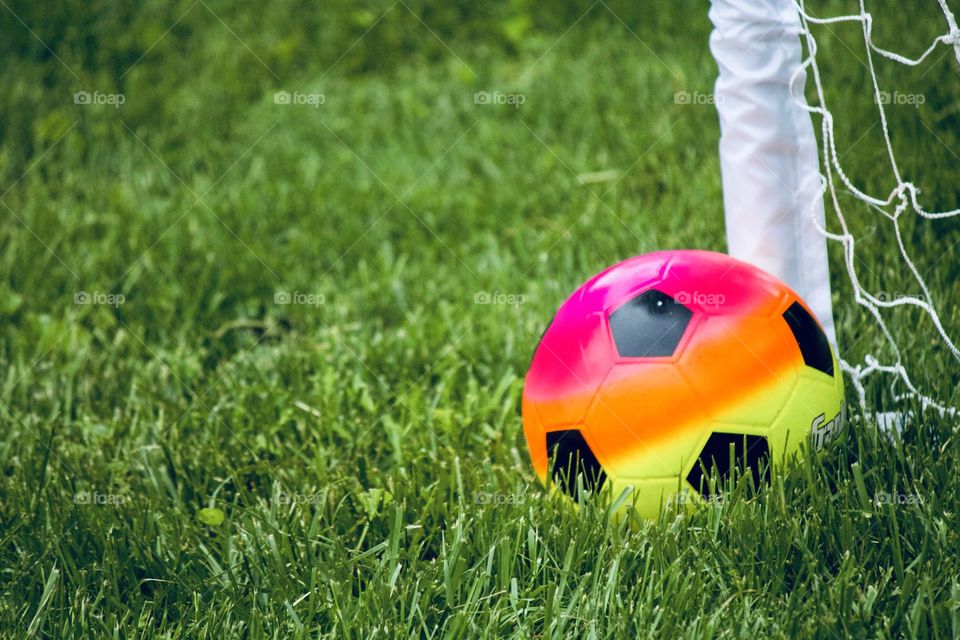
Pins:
x,y
250,386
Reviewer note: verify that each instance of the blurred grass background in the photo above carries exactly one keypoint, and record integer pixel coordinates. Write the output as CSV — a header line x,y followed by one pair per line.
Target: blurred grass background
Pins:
x,y
360,460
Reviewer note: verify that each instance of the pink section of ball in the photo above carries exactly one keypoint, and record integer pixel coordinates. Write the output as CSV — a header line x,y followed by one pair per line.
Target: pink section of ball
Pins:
x,y
577,350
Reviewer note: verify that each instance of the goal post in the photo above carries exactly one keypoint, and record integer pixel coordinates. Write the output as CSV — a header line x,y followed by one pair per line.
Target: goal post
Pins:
x,y
768,150
781,164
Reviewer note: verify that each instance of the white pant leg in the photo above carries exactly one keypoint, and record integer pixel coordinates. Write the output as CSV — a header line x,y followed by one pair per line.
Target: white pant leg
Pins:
x,y
768,152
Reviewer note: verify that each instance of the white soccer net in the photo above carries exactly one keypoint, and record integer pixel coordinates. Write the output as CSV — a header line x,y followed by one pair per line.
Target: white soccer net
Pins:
x,y
891,208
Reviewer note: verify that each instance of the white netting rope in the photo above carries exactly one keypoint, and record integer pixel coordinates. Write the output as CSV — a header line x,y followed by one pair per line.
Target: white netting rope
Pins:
x,y
902,198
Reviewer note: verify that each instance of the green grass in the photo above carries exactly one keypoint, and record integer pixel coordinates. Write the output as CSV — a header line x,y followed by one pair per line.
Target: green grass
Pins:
x,y
200,461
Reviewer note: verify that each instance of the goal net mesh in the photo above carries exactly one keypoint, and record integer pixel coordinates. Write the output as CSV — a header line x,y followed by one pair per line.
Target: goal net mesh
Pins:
x,y
884,182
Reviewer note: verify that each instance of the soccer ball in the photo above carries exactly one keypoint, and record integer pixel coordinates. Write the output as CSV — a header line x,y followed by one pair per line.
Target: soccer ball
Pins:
x,y
673,370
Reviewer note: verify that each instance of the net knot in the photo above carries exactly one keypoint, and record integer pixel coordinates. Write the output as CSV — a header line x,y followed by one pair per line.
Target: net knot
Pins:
x,y
905,193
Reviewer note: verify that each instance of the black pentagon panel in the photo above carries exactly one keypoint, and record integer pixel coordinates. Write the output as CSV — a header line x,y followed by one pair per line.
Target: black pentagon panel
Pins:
x,y
571,455
649,325
813,343
748,451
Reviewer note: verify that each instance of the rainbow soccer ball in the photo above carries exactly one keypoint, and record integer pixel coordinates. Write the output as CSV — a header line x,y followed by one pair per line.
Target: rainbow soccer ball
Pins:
x,y
671,370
